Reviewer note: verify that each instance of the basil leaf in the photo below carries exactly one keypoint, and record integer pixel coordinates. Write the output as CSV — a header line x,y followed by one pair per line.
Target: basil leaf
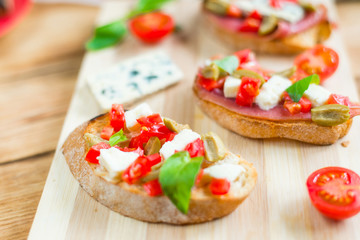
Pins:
x,y
144,6
228,64
177,177
107,35
296,91
117,137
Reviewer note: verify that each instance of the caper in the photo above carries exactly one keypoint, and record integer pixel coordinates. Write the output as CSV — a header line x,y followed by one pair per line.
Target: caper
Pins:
x,y
217,6
174,126
92,139
288,73
214,147
268,25
248,73
212,71
330,115
152,146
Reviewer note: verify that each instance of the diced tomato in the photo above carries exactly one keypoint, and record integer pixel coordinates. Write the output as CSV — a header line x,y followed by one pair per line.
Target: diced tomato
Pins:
x,y
249,87
335,192
157,130
135,150
244,101
150,120
292,107
210,84
196,148
250,25
255,15
318,60
152,27
304,104
219,186
275,3
140,167
153,188
245,56
339,99
94,152
107,132
199,176
233,11
117,117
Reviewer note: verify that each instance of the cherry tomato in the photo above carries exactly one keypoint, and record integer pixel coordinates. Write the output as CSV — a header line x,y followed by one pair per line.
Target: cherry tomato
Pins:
x,y
335,192
140,167
94,152
318,60
107,132
153,188
233,11
219,186
117,117
196,148
210,84
151,27
339,99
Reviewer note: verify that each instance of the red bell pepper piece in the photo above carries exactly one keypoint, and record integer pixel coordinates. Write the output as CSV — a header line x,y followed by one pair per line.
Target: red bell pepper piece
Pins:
x,y
153,188
94,152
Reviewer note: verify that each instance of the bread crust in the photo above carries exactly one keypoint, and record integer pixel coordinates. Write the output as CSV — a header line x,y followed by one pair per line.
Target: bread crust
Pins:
x,y
289,45
133,201
304,131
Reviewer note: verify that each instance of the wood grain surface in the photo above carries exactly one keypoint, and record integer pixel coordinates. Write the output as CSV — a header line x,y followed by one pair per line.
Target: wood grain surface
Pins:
x,y
279,207
22,182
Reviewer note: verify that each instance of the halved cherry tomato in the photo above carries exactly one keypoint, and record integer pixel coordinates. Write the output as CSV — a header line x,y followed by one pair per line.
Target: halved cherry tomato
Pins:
x,y
210,84
304,104
151,27
140,167
94,152
117,117
219,186
335,192
153,188
196,148
318,60
107,132
233,11
339,99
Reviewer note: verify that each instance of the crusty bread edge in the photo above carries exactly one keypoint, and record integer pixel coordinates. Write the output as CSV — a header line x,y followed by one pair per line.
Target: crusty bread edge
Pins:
x,y
132,201
304,131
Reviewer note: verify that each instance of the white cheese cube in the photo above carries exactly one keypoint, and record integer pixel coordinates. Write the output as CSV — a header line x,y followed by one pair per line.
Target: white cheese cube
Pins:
x,y
116,161
179,142
231,87
139,111
228,171
317,95
271,92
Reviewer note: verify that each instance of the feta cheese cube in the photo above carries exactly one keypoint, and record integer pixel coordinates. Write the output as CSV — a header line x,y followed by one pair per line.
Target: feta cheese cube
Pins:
x,y
231,87
116,161
179,142
139,111
317,95
271,92
226,170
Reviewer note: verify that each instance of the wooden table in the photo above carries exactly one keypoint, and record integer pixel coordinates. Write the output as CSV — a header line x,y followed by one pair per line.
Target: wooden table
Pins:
x,y
39,64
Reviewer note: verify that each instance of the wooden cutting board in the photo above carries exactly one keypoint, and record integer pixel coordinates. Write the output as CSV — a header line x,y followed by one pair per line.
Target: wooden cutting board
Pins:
x,y
279,206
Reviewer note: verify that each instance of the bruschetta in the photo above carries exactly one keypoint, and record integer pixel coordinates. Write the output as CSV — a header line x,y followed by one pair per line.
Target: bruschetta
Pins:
x,y
241,96
154,169
268,26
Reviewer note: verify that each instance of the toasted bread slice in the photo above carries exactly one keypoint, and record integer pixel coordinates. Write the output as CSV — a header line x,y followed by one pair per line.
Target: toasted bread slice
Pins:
x,y
292,44
134,202
304,131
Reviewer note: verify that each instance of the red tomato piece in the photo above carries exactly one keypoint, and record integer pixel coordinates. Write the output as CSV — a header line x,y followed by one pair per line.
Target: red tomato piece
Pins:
x,y
196,148
210,84
94,152
135,150
292,107
255,15
140,167
219,186
335,192
117,117
304,104
151,27
233,11
250,25
318,60
339,99
157,130
150,120
249,87
275,3
107,132
244,101
199,176
153,188
245,56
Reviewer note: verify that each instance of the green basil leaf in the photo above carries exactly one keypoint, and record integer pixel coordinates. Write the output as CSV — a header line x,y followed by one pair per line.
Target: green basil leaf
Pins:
x,y
144,6
117,137
296,91
177,177
228,64
107,35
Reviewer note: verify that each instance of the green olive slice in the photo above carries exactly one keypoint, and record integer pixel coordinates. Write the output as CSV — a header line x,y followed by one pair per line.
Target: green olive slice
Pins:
x,y
214,147
248,73
217,6
330,115
174,126
287,73
92,139
268,25
212,71
152,146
